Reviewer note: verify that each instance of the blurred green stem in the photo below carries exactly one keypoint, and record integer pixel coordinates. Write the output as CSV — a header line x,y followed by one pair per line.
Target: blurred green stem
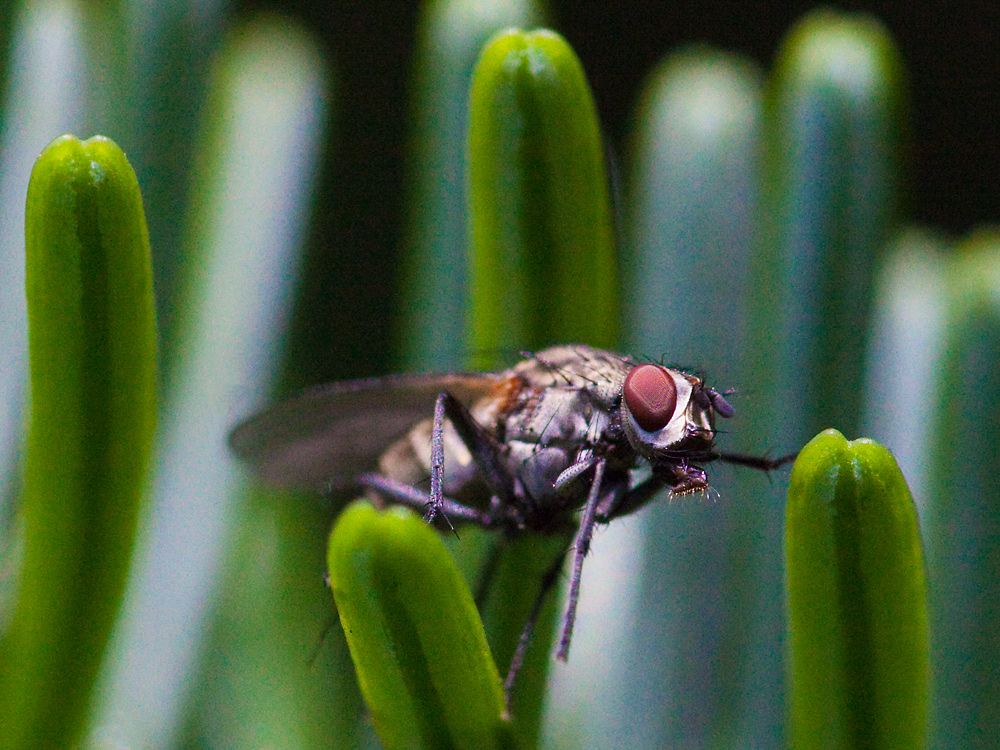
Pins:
x,y
543,261
856,600
834,139
92,351
416,639
963,501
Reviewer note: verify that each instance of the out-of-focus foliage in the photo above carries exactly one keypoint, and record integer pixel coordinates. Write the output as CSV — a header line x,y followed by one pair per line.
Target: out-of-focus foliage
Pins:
x,y
758,241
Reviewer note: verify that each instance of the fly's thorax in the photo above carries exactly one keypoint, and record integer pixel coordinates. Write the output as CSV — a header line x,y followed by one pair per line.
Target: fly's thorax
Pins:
x,y
599,372
689,421
503,397
547,432
568,395
549,416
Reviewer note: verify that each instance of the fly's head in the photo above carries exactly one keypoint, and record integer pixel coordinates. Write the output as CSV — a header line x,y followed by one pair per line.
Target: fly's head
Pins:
x,y
669,416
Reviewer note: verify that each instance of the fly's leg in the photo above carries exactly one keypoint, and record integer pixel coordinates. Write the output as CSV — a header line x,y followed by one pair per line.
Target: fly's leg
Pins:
x,y
635,498
582,547
754,462
475,440
485,452
482,446
507,508
683,479
437,462
404,494
688,480
680,480
548,581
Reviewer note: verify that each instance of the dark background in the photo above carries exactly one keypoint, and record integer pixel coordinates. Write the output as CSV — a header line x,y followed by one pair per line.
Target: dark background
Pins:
x,y
951,53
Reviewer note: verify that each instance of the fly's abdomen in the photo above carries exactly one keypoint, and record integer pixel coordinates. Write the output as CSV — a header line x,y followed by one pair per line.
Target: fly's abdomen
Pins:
x,y
408,461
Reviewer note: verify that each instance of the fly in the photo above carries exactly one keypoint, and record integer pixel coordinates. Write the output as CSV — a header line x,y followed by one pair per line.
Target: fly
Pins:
x,y
569,429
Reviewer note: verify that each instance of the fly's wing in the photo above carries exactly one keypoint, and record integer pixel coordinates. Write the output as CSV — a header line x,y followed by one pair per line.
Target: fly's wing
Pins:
x,y
323,437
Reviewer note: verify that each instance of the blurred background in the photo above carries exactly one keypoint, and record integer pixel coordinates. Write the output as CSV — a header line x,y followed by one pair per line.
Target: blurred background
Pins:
x,y
951,63
282,153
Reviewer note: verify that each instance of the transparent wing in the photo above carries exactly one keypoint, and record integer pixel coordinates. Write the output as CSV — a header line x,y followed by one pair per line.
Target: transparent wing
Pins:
x,y
325,436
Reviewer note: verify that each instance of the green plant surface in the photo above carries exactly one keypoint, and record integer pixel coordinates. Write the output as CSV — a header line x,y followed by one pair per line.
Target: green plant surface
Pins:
x,y
417,642
279,673
543,266
963,501
171,65
91,332
543,270
856,599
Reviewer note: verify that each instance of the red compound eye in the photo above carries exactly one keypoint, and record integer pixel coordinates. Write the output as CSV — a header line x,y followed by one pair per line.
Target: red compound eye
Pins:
x,y
650,396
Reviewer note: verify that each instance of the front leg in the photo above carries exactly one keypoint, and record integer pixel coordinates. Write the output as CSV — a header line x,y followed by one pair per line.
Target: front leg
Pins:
x,y
581,546
754,462
680,479
436,503
687,479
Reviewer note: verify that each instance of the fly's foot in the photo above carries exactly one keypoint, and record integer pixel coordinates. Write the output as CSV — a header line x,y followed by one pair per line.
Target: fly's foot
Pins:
x,y
688,480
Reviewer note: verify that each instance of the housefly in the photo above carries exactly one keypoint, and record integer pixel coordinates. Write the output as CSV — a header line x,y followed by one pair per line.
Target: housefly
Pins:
x,y
568,438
